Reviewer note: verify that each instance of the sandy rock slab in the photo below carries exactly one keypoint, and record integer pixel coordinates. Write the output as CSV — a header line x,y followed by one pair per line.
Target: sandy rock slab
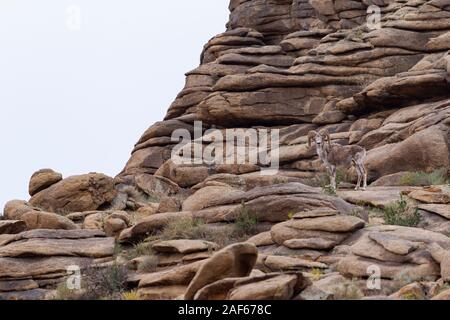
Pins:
x,y
28,295
433,195
12,226
93,248
445,295
255,287
282,263
168,284
440,209
47,243
322,232
396,251
184,246
35,218
19,268
280,287
374,196
32,263
236,260
19,285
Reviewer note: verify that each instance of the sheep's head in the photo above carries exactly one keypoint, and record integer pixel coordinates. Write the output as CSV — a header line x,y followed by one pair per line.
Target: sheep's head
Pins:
x,y
319,138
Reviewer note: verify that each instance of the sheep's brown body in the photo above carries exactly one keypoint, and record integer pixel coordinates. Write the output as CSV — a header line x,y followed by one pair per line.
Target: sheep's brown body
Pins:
x,y
334,155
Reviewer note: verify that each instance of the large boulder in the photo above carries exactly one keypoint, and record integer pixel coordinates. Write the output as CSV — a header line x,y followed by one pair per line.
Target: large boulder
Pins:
x,y
184,246
34,218
46,220
282,287
168,284
204,197
236,260
38,261
14,209
426,150
398,252
77,193
53,246
43,179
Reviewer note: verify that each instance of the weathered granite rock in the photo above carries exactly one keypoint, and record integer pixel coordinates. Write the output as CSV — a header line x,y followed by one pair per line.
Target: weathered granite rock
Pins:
x,y
440,209
14,209
93,248
432,195
43,179
184,246
413,291
46,220
75,194
12,226
386,90
445,295
278,288
233,261
280,263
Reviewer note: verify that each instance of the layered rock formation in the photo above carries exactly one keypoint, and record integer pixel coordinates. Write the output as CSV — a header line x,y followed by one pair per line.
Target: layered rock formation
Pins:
x,y
300,65
226,231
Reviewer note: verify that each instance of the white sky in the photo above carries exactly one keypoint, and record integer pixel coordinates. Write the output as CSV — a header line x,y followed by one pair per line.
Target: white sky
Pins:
x,y
77,101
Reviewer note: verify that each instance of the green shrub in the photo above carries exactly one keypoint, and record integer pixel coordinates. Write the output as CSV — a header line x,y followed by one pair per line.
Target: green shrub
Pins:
x,y
148,264
141,249
181,228
329,190
323,181
64,293
348,291
316,274
400,214
246,221
131,296
104,283
97,284
195,229
437,177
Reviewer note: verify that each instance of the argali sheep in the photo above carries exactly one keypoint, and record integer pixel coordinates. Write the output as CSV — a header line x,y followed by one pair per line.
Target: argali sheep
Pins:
x,y
334,155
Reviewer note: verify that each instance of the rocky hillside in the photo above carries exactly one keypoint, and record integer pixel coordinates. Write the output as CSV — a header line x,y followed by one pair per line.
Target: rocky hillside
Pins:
x,y
162,230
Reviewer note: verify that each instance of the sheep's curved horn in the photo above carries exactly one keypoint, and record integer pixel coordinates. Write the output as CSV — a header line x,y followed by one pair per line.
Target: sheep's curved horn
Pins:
x,y
311,136
326,134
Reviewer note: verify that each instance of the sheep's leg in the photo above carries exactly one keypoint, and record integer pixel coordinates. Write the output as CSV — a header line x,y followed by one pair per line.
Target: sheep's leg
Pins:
x,y
358,171
364,170
333,177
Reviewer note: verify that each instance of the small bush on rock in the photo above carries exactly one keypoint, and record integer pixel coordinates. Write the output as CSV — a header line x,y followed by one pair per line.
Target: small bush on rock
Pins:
x,y
131,296
148,264
437,177
323,181
141,249
246,221
97,284
197,229
400,214
63,293
348,291
316,274
105,283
